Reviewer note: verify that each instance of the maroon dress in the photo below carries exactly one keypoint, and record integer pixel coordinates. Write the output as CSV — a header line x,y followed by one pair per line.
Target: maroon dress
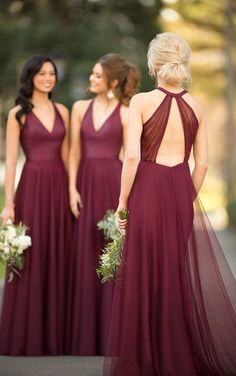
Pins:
x,y
33,307
98,182
174,311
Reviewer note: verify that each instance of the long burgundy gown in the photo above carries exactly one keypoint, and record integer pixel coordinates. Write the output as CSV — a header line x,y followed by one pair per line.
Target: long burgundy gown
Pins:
x,y
174,311
98,182
34,304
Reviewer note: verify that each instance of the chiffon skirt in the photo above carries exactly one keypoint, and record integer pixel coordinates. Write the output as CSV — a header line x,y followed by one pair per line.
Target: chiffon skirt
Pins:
x,y
34,304
174,310
90,301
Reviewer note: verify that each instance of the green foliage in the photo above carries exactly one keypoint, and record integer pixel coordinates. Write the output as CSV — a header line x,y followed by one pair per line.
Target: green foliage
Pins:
x,y
108,226
203,24
76,33
2,270
13,242
110,258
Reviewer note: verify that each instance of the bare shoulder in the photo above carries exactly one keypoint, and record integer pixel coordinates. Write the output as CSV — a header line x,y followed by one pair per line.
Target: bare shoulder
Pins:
x,y
142,100
137,99
80,107
199,109
196,106
62,109
14,110
11,118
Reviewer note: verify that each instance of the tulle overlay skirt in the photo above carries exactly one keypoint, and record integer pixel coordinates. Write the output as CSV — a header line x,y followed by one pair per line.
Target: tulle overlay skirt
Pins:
x,y
174,311
34,304
89,304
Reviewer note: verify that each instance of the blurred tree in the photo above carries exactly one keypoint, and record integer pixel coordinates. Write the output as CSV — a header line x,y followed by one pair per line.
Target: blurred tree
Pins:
x,y
76,33
209,27
231,131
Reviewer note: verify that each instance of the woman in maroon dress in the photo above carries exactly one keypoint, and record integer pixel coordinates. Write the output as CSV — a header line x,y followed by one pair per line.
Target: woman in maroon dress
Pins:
x,y
174,310
33,307
97,135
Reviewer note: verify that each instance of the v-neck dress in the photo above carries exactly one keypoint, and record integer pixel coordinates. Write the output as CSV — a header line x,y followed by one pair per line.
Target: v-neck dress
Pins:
x,y
98,182
33,307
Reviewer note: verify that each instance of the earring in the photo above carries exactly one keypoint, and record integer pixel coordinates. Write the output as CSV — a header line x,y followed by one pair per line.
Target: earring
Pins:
x,y
110,94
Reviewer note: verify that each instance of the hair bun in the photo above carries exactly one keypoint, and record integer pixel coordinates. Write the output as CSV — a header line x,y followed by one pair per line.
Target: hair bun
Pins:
x,y
117,68
168,59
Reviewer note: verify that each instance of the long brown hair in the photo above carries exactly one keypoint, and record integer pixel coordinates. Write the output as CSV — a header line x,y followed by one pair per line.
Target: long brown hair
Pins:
x,y
117,68
25,91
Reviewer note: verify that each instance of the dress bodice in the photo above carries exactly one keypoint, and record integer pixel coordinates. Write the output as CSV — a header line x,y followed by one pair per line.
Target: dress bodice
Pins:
x,y
37,142
155,127
106,141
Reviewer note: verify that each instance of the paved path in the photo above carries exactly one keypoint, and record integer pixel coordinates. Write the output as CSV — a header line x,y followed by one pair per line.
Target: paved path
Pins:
x,y
227,239
87,366
51,366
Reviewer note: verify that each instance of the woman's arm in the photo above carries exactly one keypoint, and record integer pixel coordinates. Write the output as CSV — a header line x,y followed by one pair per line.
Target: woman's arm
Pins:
x,y
124,111
132,154
65,145
12,148
77,114
200,153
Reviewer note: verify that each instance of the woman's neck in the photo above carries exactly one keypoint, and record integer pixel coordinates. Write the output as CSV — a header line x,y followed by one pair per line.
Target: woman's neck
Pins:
x,y
40,99
104,100
171,88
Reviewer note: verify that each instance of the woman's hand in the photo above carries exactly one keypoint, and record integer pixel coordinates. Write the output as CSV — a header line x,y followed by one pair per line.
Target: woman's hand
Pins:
x,y
7,213
75,202
121,215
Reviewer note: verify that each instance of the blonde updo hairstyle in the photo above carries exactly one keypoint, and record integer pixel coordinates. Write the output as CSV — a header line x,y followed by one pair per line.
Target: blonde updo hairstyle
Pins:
x,y
115,67
168,60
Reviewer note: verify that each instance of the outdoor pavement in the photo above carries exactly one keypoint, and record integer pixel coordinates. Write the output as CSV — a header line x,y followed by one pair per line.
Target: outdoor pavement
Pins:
x,y
51,366
87,366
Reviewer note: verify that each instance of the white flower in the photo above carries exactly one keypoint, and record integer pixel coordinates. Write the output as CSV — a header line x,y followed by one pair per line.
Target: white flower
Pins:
x,y
10,232
6,249
15,242
24,241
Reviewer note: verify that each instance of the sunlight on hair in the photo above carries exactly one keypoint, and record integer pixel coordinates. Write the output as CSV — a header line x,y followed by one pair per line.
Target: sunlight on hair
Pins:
x,y
168,59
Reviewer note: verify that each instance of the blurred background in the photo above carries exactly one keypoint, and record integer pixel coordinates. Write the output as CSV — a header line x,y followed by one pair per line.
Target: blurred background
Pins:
x,y
77,32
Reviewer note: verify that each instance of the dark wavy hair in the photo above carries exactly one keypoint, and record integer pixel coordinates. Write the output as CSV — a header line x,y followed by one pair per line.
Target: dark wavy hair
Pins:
x,y
127,74
25,91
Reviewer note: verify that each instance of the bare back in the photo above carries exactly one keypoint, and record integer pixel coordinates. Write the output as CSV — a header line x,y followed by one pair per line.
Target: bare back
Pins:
x,y
169,127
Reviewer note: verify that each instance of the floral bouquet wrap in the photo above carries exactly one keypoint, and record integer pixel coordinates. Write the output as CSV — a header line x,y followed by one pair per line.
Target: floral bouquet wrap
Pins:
x,y
13,242
110,258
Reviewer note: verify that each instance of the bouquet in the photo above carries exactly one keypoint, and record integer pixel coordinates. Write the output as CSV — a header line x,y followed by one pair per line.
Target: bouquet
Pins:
x,y
110,258
13,242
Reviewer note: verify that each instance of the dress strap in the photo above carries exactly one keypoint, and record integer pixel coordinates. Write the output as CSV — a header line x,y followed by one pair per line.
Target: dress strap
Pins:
x,y
172,94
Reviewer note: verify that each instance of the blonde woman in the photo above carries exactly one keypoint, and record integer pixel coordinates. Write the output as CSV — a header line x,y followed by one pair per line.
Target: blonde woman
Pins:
x,y
174,301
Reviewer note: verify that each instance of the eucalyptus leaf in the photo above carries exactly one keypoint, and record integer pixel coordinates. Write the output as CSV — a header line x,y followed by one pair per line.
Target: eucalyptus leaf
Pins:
x,y
110,257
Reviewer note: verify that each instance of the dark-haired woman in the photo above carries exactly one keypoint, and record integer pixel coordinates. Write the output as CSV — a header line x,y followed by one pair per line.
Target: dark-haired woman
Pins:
x,y
33,308
98,133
